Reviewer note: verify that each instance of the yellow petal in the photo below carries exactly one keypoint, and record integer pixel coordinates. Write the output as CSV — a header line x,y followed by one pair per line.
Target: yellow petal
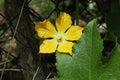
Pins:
x,y
45,29
48,46
74,33
65,47
63,22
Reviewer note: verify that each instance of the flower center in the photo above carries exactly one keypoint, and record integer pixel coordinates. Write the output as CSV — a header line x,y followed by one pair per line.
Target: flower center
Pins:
x,y
59,37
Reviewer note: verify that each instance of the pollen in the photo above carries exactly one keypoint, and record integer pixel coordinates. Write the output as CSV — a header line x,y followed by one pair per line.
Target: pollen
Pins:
x,y
59,37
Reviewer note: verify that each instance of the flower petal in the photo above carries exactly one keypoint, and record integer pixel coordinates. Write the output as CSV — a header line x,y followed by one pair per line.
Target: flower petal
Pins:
x,y
63,22
45,29
65,47
74,33
48,46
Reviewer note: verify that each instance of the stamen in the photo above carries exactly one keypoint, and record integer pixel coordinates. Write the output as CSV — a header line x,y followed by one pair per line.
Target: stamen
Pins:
x,y
59,37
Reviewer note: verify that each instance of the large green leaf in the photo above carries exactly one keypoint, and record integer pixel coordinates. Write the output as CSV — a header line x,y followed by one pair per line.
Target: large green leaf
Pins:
x,y
86,63
111,70
113,17
86,58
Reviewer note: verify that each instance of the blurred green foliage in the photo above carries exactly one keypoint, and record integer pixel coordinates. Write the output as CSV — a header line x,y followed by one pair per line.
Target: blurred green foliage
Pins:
x,y
1,5
43,7
78,9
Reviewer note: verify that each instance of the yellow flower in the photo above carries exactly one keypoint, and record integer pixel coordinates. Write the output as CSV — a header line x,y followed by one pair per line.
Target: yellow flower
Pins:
x,y
59,38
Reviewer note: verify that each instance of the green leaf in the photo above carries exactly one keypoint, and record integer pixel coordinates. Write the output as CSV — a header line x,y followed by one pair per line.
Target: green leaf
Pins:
x,y
113,17
111,70
86,58
86,62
